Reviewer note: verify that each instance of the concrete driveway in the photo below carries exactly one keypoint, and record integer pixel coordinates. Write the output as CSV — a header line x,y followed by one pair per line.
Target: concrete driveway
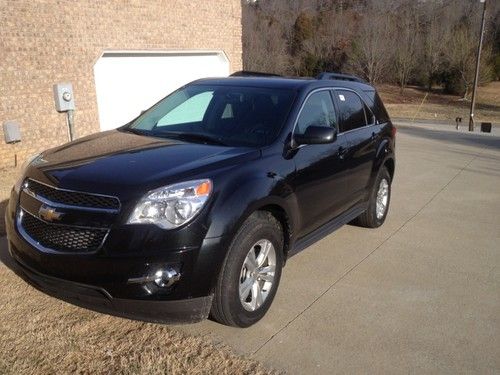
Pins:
x,y
419,295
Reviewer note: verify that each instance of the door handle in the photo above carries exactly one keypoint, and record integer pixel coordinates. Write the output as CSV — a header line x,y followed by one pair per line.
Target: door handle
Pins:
x,y
343,152
374,135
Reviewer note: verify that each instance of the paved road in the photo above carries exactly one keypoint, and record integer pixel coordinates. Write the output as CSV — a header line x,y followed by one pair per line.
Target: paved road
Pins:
x,y
419,295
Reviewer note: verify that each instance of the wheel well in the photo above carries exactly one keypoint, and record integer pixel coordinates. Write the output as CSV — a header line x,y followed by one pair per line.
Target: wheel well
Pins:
x,y
280,214
389,164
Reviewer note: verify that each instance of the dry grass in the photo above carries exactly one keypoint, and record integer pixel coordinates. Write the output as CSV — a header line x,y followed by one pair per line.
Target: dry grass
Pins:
x,y
438,106
42,335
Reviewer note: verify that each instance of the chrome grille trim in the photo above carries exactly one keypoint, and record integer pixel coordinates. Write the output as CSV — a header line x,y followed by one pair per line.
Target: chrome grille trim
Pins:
x,y
48,202
72,195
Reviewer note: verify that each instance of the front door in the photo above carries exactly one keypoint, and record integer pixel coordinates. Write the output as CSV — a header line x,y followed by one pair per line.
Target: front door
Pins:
x,y
319,181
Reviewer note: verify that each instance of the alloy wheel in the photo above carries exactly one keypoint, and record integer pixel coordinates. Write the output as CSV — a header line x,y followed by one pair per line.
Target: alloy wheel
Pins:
x,y
382,198
257,275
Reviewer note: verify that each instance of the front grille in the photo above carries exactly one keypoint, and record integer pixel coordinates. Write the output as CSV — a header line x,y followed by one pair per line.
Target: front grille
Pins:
x,y
62,238
80,227
73,198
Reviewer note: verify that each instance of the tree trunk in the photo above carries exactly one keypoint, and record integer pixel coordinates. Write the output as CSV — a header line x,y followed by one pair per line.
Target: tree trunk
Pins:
x,y
466,93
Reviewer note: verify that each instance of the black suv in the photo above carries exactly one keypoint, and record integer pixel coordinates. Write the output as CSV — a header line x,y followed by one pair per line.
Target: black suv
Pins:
x,y
192,208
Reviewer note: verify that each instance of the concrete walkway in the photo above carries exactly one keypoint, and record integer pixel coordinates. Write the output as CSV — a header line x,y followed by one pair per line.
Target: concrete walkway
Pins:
x,y
419,295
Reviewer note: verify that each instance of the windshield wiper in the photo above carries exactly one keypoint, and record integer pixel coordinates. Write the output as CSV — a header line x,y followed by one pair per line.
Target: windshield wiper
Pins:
x,y
137,131
194,137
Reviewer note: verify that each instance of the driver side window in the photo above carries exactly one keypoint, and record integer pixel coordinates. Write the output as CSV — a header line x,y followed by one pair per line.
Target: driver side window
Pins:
x,y
318,110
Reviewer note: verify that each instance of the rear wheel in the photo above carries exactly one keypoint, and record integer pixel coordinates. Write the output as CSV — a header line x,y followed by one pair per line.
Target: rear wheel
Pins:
x,y
251,272
378,204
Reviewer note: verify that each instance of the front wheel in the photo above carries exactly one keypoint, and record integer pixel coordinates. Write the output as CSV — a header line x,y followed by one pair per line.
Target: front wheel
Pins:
x,y
378,204
251,272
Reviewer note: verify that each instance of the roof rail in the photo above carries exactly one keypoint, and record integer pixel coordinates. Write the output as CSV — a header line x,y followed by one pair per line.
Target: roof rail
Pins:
x,y
339,76
247,73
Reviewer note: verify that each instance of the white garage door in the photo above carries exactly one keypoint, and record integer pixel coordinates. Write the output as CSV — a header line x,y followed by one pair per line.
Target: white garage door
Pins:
x,y
127,83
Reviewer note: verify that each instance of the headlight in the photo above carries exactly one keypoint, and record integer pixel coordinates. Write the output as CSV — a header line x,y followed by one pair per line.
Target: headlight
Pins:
x,y
172,206
24,167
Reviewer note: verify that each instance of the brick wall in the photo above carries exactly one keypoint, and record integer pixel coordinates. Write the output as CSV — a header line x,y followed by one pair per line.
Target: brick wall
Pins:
x,y
43,42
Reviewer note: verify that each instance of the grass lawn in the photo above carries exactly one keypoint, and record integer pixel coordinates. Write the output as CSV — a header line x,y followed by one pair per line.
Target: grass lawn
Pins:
x,y
42,335
437,106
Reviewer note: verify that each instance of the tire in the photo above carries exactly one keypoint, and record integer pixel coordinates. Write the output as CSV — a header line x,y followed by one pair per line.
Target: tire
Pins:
x,y
369,218
257,233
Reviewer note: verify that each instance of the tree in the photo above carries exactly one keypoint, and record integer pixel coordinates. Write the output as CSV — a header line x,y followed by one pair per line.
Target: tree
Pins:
x,y
303,29
462,58
407,32
326,43
403,41
371,51
434,39
264,40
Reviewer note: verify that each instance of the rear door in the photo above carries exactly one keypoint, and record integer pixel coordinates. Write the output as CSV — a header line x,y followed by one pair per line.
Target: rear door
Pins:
x,y
361,132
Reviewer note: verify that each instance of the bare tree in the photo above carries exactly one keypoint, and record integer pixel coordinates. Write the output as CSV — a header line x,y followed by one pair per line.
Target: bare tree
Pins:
x,y
371,51
327,43
422,41
462,56
265,40
434,38
405,23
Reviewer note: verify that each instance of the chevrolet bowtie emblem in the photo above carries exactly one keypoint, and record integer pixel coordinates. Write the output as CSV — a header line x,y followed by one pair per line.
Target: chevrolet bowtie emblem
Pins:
x,y
49,214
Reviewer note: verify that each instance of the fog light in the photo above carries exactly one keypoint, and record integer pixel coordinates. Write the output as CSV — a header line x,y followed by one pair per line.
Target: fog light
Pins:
x,y
166,278
163,277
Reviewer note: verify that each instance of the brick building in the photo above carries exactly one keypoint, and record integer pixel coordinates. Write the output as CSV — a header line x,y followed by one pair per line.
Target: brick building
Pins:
x,y
43,42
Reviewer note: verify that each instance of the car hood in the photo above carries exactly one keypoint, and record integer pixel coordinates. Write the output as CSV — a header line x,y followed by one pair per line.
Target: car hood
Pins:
x,y
116,162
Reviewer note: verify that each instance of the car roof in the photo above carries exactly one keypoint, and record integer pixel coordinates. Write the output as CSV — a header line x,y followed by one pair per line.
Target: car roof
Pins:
x,y
283,83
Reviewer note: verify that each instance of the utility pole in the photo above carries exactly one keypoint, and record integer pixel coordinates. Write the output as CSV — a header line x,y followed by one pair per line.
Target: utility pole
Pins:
x,y
476,77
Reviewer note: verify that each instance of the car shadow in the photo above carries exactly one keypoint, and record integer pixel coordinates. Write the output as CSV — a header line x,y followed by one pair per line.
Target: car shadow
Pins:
x,y
3,207
5,257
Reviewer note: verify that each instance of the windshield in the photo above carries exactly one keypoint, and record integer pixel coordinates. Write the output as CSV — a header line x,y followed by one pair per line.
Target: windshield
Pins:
x,y
225,115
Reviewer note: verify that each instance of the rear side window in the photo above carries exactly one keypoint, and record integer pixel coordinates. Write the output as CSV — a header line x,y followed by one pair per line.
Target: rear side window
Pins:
x,y
352,110
318,110
382,114
377,106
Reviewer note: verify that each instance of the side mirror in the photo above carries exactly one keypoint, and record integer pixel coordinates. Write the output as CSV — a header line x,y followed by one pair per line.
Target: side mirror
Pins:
x,y
315,135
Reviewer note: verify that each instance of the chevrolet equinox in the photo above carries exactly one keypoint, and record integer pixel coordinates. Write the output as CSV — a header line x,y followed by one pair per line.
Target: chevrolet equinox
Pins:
x,y
192,208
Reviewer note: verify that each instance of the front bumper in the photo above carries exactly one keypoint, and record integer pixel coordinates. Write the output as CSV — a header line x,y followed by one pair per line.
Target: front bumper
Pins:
x,y
99,281
98,299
